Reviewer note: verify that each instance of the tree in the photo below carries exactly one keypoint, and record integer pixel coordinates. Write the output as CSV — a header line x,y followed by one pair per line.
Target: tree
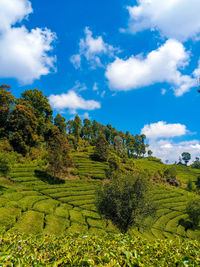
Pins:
x,y
40,106
76,130
190,186
125,201
86,131
150,153
118,143
24,125
198,182
170,176
193,211
101,150
58,153
5,164
114,167
6,104
186,157
60,122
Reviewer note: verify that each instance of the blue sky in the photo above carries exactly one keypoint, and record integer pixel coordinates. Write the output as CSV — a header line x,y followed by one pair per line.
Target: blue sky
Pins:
x,y
133,64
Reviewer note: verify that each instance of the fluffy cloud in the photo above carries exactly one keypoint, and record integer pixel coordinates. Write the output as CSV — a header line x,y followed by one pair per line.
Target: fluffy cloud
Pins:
x,y
161,141
162,129
91,49
161,65
177,19
12,11
171,151
72,101
24,54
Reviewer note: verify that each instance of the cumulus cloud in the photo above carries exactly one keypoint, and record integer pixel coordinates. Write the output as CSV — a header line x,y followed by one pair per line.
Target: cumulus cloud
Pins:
x,y
177,19
162,129
171,151
73,102
92,49
24,54
161,141
12,11
161,65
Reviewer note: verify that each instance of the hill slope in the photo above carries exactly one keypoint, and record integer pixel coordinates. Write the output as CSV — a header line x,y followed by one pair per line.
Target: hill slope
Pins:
x,y
31,205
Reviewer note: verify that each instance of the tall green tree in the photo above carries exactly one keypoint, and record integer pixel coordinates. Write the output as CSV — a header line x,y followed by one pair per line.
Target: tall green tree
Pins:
x,y
41,108
77,125
23,125
125,201
86,131
118,143
101,150
58,153
6,105
186,157
60,122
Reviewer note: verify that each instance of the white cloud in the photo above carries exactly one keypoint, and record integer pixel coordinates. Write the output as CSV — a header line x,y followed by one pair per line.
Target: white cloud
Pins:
x,y
103,94
72,101
76,61
85,116
163,91
170,150
24,54
177,19
12,11
92,49
161,141
163,130
95,87
161,65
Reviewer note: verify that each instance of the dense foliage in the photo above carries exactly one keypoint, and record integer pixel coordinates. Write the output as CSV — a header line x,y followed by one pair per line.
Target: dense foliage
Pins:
x,y
193,210
125,201
106,250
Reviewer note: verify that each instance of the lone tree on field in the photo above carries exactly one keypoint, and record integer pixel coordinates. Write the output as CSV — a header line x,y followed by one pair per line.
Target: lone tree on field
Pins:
x,y
149,153
125,201
193,211
186,157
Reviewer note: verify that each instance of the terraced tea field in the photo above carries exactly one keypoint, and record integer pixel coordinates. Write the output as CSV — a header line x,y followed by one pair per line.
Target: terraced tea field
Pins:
x,y
86,167
32,205
183,173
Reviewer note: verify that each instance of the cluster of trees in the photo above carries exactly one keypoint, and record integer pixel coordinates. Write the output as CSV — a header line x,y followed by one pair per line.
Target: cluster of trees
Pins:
x,y
94,132
27,122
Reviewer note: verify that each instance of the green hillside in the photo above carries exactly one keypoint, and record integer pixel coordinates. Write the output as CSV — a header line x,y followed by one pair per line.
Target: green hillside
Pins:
x,y
30,204
183,173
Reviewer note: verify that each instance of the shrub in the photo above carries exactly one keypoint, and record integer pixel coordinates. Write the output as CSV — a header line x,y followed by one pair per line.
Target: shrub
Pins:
x,y
114,166
193,211
125,201
7,159
101,150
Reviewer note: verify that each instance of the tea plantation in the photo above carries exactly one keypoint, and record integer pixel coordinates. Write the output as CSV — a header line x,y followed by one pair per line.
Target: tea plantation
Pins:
x,y
63,215
30,204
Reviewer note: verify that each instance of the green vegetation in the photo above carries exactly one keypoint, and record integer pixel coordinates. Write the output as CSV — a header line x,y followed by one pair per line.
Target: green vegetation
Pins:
x,y
125,201
193,211
50,172
93,250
